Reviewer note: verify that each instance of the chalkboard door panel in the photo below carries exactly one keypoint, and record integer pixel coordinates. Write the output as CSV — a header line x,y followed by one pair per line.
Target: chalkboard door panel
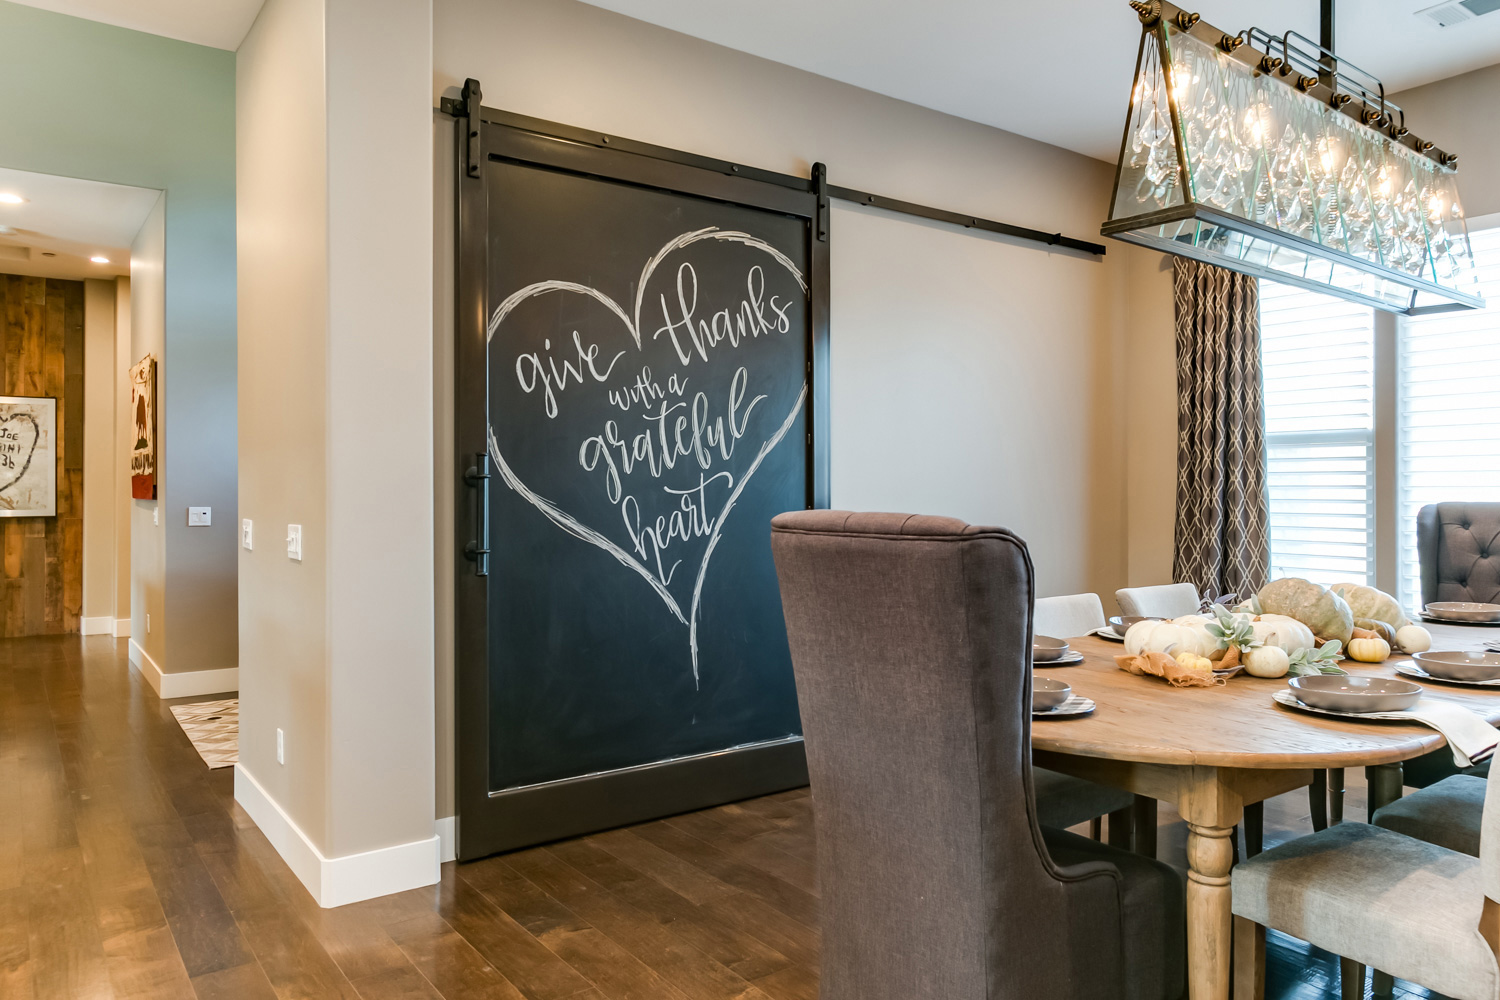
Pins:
x,y
641,385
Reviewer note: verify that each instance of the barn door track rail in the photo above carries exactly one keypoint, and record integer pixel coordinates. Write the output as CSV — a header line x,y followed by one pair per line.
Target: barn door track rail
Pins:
x,y
467,109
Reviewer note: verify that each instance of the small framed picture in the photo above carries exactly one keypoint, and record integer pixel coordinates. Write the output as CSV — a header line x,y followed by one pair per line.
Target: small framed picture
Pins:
x,y
28,456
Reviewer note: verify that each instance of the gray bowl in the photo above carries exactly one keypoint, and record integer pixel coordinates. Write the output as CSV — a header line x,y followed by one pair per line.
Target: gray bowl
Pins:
x,y
1044,648
1047,694
1464,611
1457,665
1348,693
1121,623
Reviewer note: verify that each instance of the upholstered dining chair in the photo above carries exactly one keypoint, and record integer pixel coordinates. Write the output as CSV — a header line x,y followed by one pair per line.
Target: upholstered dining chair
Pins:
x,y
1372,896
1169,600
1068,616
1458,549
910,639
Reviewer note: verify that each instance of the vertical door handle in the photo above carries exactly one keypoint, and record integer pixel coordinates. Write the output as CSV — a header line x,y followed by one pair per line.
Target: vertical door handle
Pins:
x,y
478,549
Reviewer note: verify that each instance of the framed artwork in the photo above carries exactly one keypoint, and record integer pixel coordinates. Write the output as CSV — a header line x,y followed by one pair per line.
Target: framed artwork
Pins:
x,y
28,456
143,418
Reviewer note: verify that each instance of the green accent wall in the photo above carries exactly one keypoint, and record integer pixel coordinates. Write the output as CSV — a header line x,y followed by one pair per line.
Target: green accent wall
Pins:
x,y
90,100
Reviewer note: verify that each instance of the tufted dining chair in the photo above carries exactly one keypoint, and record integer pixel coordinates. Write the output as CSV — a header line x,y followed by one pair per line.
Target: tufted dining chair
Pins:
x,y
1458,547
910,639
1373,896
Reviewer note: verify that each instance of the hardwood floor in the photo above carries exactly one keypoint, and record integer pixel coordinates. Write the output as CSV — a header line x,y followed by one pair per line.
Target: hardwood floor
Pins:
x,y
127,871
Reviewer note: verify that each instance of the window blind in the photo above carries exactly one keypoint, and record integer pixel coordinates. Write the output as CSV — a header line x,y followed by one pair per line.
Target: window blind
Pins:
x,y
1318,360
1448,416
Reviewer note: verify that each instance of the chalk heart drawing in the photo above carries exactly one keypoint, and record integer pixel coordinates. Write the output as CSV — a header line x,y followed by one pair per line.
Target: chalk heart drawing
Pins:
x,y
19,434
630,325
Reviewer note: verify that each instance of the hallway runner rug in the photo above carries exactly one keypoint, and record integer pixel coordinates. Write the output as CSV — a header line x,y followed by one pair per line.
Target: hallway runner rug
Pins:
x,y
214,728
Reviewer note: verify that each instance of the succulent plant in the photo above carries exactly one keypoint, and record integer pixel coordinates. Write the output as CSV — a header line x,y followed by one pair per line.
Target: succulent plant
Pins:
x,y
1232,630
1323,660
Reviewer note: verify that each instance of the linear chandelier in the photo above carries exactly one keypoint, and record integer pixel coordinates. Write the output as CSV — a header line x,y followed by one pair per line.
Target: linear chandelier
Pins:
x,y
1267,155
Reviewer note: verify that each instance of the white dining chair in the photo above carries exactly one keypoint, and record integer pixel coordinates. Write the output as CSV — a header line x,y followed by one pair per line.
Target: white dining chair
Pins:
x,y
1169,600
1067,616
1376,897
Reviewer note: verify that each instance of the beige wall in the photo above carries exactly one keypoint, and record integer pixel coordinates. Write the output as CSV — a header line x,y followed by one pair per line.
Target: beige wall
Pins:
x,y
993,369
122,505
148,303
99,442
335,405
1459,115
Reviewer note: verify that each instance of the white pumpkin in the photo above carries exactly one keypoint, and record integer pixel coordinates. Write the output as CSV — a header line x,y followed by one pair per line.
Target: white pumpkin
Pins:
x,y
1267,661
1287,633
1159,637
1413,639
1192,620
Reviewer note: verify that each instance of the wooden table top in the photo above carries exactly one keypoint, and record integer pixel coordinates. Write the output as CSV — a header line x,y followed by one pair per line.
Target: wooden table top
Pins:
x,y
1237,724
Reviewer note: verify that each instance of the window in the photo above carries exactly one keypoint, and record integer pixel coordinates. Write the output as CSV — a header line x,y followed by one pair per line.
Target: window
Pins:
x,y
1448,410
1318,358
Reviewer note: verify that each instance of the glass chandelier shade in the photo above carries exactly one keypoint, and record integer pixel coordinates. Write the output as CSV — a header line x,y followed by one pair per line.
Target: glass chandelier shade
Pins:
x,y
1232,163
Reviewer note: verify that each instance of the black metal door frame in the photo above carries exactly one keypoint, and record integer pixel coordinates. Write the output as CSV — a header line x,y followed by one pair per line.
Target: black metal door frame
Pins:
x,y
490,821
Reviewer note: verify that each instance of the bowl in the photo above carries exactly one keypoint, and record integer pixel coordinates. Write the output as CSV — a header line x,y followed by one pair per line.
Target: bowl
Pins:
x,y
1347,693
1457,665
1044,648
1464,611
1121,623
1047,694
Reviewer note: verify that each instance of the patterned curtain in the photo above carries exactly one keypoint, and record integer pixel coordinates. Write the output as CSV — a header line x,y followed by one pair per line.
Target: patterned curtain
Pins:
x,y
1222,541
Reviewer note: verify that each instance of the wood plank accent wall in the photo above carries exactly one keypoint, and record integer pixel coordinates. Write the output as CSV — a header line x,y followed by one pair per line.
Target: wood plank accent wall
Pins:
x,y
41,349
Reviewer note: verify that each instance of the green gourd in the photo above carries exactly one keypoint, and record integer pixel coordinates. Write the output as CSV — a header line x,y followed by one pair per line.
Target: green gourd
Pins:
x,y
1312,604
1367,602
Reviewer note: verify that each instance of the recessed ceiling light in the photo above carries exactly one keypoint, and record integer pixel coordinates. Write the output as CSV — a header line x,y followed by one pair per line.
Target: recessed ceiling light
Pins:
x,y
7,198
99,260
48,253
7,230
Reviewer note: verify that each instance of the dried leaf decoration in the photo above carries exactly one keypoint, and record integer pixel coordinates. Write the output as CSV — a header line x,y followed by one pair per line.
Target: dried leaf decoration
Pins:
x,y
1163,666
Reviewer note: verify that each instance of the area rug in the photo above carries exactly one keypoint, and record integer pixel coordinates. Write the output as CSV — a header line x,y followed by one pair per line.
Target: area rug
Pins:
x,y
214,728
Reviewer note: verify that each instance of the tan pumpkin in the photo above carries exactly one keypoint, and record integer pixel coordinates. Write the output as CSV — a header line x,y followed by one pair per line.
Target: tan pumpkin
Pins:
x,y
1371,650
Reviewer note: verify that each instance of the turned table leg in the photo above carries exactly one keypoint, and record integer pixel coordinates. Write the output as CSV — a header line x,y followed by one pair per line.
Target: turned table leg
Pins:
x,y
1210,856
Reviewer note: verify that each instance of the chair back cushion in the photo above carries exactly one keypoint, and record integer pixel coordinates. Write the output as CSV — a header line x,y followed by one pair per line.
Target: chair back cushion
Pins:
x,y
1068,616
1458,547
910,639
1169,600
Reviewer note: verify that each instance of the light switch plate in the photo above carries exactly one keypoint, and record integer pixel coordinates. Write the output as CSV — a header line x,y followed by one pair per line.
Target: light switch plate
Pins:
x,y
247,534
294,542
155,515
200,517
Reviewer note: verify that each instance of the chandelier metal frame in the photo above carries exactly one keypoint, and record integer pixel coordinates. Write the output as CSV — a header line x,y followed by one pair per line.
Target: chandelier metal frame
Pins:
x,y
1313,72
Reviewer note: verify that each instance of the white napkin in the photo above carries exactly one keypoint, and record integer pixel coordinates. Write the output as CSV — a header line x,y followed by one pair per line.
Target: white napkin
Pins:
x,y
1469,737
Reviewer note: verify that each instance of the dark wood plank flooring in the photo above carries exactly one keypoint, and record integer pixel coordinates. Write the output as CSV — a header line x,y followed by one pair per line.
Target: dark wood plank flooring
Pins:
x,y
126,870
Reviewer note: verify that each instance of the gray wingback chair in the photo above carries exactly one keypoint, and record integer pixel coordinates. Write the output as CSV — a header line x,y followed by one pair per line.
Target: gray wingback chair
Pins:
x,y
1458,546
910,639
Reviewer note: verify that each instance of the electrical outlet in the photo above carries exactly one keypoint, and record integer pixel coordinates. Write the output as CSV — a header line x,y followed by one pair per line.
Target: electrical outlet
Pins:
x,y
200,517
246,534
148,623
294,542
280,747
155,516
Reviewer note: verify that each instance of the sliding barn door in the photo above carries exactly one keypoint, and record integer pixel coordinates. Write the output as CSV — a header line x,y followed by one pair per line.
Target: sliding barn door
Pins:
x,y
641,340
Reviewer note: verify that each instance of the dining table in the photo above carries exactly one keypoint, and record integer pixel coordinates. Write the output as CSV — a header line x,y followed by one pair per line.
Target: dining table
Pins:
x,y
1212,751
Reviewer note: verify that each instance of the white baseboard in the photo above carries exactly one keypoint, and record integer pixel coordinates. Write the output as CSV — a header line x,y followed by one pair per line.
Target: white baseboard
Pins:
x,y
122,628
189,683
337,881
96,626
445,829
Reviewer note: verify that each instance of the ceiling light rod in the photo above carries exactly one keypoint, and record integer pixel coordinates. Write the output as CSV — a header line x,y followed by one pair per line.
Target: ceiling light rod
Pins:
x,y
1298,68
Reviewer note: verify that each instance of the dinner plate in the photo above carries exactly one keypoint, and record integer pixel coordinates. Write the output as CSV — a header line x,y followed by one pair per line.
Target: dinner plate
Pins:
x,y
1454,621
1076,705
1285,697
1073,658
1410,669
1108,633
1463,664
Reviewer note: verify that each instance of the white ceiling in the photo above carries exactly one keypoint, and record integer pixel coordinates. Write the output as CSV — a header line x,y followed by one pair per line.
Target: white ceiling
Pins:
x,y
1055,70
71,219
219,23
